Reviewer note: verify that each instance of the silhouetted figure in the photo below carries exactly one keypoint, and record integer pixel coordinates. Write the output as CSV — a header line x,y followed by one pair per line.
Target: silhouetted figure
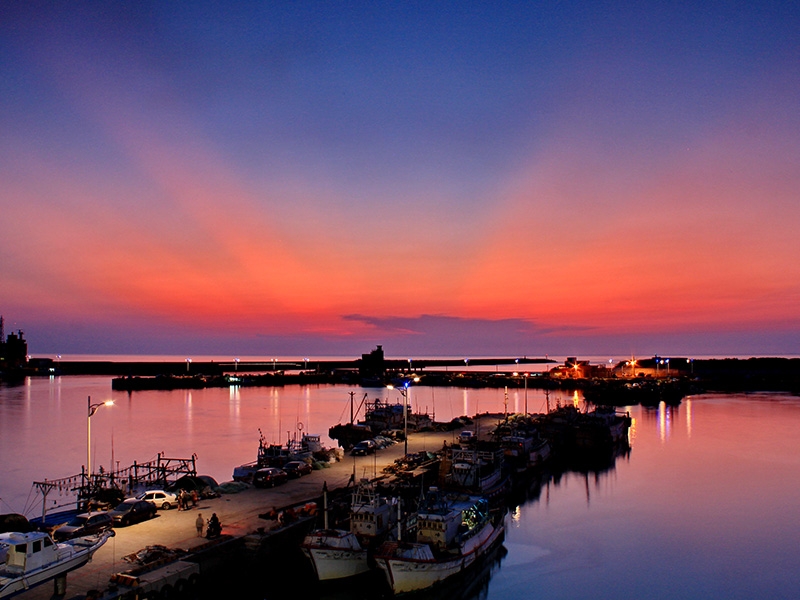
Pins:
x,y
214,527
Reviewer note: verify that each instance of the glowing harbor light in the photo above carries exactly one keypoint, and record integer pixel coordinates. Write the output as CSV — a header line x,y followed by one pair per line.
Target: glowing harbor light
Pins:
x,y
404,392
92,408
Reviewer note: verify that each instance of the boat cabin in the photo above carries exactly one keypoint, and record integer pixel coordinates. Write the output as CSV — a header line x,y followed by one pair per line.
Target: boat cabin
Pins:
x,y
25,552
371,514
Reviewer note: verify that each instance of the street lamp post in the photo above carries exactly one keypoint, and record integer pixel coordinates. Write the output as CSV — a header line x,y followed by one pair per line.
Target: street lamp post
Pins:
x,y
91,409
526,394
404,392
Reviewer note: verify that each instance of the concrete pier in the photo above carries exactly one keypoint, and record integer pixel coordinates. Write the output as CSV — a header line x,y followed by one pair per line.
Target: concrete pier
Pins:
x,y
238,514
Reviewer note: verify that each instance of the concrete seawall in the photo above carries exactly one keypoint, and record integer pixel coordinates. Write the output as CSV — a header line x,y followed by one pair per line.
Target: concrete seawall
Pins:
x,y
237,512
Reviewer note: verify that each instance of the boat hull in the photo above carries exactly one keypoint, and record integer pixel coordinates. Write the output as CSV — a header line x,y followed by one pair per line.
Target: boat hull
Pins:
x,y
42,576
331,564
406,574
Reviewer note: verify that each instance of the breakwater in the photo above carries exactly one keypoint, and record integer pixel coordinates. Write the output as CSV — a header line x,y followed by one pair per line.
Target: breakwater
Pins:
x,y
690,377
44,366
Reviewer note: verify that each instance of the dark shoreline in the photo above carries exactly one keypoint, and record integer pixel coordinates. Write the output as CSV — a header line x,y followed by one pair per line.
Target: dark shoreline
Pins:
x,y
773,374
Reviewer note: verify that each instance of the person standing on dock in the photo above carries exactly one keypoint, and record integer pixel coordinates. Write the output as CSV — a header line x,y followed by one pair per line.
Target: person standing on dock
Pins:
x,y
199,522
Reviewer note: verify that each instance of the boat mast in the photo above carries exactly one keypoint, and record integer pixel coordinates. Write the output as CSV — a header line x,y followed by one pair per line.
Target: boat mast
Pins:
x,y
325,505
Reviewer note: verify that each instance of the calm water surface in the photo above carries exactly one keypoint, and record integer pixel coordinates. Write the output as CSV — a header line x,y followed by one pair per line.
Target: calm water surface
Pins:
x,y
706,505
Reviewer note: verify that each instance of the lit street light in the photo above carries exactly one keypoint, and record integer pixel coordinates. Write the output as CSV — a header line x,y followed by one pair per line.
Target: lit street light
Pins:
x,y
92,408
404,391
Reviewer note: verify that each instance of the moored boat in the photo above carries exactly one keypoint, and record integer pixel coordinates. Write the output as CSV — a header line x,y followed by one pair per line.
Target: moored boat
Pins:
x,y
337,553
453,533
308,448
28,559
474,469
379,416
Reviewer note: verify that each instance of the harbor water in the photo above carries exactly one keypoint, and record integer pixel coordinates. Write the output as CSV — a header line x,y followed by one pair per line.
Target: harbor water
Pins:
x,y
705,505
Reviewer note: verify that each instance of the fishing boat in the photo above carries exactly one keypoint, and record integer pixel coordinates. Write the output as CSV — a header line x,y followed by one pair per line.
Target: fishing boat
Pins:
x,y
453,534
524,450
523,445
339,553
474,469
308,447
28,559
379,416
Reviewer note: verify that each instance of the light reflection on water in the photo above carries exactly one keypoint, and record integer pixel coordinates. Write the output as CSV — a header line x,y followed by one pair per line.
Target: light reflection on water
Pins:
x,y
704,506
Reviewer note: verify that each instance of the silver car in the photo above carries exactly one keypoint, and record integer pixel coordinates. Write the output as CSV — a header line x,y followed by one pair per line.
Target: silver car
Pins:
x,y
162,500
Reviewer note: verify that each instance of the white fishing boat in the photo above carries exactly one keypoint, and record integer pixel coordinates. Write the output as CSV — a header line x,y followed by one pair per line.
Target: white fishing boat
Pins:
x,y
28,559
338,553
453,533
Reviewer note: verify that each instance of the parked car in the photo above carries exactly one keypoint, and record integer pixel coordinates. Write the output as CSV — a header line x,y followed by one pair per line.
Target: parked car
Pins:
x,y
132,511
269,477
297,468
161,499
89,523
363,448
383,441
465,437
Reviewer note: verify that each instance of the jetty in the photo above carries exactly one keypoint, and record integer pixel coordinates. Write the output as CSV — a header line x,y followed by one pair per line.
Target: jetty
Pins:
x,y
164,556
242,526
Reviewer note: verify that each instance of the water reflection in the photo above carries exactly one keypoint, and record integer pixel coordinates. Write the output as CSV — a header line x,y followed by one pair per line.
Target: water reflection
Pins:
x,y
705,505
687,402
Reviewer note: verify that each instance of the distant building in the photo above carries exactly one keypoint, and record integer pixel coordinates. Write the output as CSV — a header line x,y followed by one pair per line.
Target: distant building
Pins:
x,y
579,369
657,367
372,365
13,349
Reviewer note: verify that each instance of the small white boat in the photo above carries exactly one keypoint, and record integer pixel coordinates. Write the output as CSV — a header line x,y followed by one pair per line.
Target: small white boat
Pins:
x,y
338,554
28,559
452,535
335,554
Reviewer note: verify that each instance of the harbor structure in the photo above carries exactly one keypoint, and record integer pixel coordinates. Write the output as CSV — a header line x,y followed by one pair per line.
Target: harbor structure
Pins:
x,y
13,350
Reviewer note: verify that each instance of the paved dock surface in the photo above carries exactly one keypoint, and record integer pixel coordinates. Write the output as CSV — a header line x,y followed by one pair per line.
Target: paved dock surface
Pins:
x,y
238,514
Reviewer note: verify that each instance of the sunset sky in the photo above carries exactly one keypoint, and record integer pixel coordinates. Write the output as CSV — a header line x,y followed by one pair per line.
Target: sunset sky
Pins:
x,y
441,178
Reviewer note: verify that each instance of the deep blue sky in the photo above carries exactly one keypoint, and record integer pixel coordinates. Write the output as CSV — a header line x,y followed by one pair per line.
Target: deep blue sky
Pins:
x,y
441,178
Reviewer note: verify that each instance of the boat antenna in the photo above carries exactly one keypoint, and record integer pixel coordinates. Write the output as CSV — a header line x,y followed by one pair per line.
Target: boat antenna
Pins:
x,y
399,519
325,504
